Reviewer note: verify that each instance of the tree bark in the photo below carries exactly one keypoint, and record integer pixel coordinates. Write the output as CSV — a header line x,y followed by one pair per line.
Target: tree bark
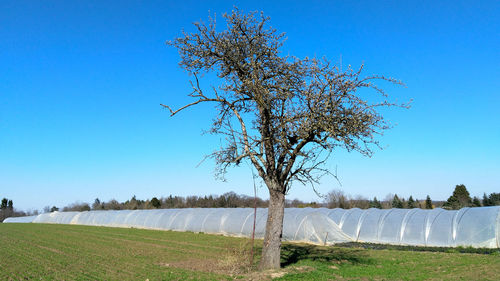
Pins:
x,y
274,229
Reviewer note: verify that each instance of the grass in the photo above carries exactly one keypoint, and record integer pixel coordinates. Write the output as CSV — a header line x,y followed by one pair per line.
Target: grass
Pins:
x,y
72,252
337,263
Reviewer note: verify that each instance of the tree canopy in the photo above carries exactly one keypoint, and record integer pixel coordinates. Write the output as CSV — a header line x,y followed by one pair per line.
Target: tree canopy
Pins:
x,y
288,109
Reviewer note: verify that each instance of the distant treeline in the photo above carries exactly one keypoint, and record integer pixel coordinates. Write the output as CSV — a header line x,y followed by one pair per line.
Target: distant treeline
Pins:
x,y
334,199
459,199
226,200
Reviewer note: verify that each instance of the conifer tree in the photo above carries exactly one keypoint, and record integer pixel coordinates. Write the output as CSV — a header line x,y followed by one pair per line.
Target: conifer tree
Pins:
x,y
486,200
4,203
411,203
428,202
459,199
375,203
396,202
476,202
494,199
155,202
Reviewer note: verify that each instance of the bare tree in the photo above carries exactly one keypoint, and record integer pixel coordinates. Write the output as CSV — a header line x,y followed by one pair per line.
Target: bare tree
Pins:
x,y
359,201
284,114
338,199
76,207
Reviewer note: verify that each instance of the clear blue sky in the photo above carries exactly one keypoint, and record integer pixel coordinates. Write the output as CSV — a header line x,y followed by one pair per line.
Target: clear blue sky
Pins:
x,y
81,83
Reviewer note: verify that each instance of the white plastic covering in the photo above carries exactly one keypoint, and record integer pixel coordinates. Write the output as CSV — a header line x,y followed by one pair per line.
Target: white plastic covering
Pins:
x,y
26,219
476,227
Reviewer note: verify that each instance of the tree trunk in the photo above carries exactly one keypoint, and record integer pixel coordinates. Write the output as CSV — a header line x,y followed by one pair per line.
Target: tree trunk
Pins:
x,y
271,249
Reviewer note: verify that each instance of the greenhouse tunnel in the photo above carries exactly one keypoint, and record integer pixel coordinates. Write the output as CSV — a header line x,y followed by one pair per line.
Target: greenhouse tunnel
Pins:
x,y
476,227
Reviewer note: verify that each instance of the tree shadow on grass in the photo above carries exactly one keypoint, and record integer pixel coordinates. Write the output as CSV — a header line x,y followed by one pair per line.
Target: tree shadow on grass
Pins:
x,y
293,253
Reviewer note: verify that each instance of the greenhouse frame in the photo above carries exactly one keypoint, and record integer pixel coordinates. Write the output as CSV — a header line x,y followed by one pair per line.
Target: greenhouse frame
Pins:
x,y
475,227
